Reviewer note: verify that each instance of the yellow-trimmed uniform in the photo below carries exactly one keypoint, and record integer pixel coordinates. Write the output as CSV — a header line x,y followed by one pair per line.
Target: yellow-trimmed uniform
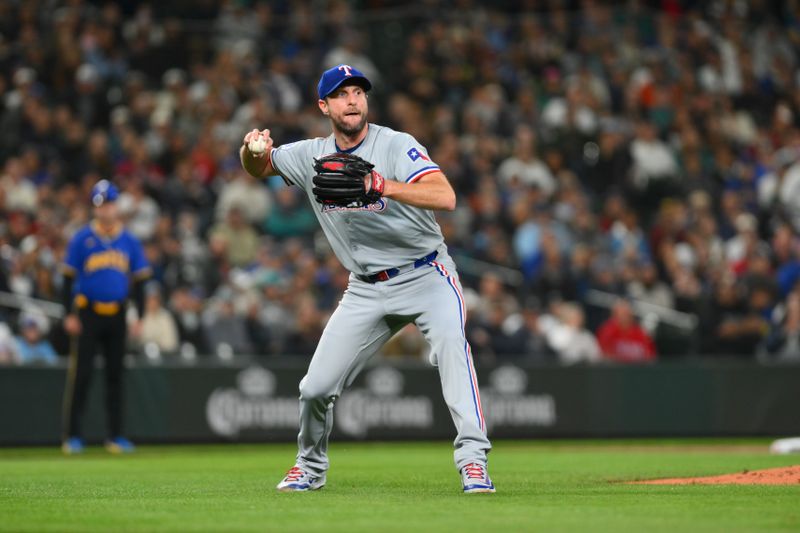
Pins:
x,y
101,271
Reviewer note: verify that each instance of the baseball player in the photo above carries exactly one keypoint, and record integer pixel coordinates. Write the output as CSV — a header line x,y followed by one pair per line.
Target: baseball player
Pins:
x,y
102,259
374,191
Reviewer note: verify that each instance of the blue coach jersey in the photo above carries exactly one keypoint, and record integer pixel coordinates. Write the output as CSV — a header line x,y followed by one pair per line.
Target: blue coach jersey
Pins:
x,y
103,264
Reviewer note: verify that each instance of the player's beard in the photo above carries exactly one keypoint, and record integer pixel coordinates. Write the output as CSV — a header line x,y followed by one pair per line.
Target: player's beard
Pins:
x,y
347,130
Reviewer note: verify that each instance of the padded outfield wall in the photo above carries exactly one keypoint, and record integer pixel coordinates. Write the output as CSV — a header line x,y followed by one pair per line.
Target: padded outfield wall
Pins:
x,y
257,401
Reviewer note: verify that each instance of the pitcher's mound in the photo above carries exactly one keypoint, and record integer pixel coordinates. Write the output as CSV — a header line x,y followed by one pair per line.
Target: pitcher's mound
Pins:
x,y
788,475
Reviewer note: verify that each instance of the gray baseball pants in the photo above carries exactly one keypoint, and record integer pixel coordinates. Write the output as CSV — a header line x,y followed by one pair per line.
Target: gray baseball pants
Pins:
x,y
431,297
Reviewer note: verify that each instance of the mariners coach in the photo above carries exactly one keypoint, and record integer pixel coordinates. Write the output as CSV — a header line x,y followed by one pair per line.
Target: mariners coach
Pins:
x,y
103,265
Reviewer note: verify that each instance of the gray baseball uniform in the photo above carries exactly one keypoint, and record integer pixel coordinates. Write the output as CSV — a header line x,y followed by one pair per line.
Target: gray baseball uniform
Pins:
x,y
382,236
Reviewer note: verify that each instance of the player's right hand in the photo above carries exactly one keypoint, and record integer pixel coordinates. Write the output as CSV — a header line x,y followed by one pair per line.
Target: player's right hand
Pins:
x,y
72,324
257,142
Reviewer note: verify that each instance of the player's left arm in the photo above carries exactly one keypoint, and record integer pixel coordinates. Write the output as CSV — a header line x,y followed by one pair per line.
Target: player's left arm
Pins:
x,y
431,191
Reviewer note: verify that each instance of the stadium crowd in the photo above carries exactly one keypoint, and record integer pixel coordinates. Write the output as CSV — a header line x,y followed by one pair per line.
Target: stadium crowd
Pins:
x,y
648,151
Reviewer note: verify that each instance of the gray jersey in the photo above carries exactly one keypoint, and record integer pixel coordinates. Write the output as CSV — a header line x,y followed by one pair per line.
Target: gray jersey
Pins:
x,y
386,233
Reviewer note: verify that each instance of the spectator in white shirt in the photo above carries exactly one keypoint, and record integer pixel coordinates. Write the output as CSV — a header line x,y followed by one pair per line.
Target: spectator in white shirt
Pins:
x,y
566,335
653,159
523,167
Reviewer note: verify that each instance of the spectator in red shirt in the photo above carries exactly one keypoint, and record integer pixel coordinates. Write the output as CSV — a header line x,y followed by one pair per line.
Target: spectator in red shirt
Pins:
x,y
622,339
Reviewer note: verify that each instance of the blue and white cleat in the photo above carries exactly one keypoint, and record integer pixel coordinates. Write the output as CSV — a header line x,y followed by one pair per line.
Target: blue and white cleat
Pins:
x,y
475,479
120,445
298,480
72,446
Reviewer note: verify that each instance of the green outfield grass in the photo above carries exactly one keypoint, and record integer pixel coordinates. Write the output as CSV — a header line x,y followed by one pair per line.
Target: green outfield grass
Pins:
x,y
395,487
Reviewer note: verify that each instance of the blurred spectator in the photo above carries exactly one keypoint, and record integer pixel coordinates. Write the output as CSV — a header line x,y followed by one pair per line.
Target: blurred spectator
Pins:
x,y
158,326
492,294
236,26
607,165
242,191
290,216
8,346
237,239
280,85
186,307
738,247
647,287
553,281
627,240
783,343
622,339
225,331
788,187
734,327
408,342
604,276
523,167
566,335
349,50
185,191
784,250
274,316
574,111
307,328
88,97
32,346
138,209
654,168
19,193
496,335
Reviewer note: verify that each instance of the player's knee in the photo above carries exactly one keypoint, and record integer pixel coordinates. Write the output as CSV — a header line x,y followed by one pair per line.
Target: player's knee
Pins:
x,y
312,390
450,341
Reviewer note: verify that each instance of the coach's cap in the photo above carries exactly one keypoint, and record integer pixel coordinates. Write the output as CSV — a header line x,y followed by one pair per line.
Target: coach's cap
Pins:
x,y
333,77
104,191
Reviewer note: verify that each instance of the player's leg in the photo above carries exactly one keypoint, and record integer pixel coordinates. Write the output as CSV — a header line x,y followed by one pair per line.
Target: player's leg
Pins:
x,y
79,376
113,339
437,296
355,331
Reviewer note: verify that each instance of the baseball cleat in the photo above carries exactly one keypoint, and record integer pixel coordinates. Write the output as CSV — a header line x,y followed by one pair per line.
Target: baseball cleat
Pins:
x,y
475,479
298,480
119,445
72,446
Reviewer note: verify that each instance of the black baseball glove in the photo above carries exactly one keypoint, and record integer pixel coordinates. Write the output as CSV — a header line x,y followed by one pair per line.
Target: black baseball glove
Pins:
x,y
340,181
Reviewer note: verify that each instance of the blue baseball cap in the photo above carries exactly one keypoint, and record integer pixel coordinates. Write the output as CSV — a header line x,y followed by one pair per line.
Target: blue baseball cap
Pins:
x,y
333,77
104,191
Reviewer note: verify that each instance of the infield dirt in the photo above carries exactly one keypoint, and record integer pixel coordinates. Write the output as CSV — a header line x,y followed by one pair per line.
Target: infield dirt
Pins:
x,y
788,475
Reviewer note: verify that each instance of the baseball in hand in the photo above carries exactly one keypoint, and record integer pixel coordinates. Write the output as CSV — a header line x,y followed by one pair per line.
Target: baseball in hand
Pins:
x,y
257,146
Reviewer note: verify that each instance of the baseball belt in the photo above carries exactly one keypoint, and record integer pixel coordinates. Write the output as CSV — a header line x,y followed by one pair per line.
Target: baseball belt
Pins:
x,y
389,273
100,308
